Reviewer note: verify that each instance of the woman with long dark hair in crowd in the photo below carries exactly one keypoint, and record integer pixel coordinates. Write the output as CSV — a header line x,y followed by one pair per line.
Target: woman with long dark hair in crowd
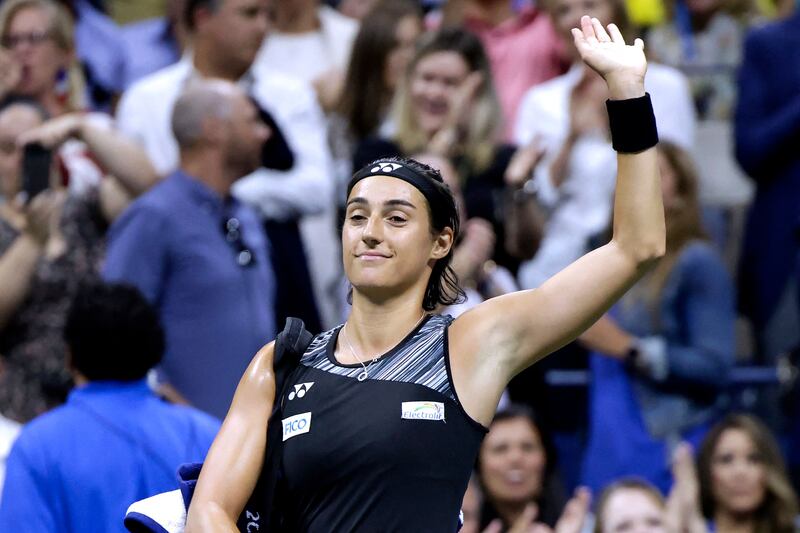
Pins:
x,y
516,468
383,417
665,351
743,482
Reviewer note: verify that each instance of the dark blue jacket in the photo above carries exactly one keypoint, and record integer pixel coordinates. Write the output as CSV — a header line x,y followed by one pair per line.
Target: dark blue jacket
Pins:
x,y
768,148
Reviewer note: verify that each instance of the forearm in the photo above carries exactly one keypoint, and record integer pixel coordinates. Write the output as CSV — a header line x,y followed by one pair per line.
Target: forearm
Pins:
x,y
121,157
606,337
17,267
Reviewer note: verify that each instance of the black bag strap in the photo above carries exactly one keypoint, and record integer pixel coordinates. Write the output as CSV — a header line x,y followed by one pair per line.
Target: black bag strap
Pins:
x,y
261,512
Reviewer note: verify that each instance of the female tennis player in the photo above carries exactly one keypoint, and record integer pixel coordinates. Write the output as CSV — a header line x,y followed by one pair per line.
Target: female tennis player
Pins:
x,y
383,417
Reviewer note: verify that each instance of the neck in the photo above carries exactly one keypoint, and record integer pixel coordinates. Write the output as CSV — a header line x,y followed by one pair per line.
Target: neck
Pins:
x,y
206,167
510,511
209,66
376,327
727,522
493,12
299,18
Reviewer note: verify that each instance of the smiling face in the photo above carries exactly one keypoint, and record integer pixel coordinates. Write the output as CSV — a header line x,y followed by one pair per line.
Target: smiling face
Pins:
x,y
632,510
435,79
387,242
512,461
738,475
406,33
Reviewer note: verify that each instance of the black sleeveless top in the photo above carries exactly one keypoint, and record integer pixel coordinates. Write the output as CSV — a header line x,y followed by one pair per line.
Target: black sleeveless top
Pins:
x,y
391,453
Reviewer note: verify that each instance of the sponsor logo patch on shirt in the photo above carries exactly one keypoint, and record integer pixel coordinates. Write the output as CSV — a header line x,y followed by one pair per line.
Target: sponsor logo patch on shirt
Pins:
x,y
422,411
296,425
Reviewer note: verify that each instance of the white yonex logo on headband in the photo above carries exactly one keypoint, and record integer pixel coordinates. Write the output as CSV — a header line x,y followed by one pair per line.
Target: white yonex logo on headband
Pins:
x,y
300,390
385,167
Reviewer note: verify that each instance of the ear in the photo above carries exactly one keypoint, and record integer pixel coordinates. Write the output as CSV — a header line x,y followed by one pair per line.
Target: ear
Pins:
x,y
214,130
442,244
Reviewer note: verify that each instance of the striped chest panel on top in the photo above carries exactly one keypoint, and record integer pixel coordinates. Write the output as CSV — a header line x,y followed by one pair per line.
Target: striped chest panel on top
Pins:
x,y
419,358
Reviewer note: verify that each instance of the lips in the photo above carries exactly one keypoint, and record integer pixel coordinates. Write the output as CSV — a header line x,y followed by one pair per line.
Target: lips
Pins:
x,y
372,256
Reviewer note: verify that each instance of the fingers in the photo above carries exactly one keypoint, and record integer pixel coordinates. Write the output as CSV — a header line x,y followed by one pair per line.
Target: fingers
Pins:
x,y
616,35
638,43
588,29
600,31
495,526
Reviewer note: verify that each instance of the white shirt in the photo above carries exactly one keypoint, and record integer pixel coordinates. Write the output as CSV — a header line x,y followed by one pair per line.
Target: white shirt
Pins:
x,y
8,434
145,113
581,207
308,55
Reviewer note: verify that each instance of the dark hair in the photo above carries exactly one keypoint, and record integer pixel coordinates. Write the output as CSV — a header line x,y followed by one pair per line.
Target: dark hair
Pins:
x,y
776,513
112,332
365,95
443,286
626,483
193,5
551,499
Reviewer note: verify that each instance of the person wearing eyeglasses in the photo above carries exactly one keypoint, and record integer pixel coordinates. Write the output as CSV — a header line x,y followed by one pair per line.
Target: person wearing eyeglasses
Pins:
x,y
197,253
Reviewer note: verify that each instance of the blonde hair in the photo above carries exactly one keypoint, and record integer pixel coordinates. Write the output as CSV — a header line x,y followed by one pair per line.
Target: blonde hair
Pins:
x,y
777,512
484,122
63,34
629,483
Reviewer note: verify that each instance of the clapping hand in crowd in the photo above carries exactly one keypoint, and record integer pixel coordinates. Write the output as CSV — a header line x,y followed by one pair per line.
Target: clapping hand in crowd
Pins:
x,y
683,504
459,101
570,521
476,247
43,216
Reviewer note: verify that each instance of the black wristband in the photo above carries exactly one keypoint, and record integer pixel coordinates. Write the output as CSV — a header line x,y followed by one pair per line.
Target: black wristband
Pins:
x,y
632,124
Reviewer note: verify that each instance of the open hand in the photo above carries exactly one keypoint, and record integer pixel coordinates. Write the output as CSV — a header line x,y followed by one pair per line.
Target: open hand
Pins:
x,y
622,66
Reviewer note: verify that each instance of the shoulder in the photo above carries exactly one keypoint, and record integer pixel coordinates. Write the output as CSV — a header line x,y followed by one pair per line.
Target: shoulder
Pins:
x,y
154,206
44,433
280,92
154,85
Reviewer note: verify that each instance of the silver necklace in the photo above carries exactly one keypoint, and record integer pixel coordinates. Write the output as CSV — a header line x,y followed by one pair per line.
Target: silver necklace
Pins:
x,y
364,374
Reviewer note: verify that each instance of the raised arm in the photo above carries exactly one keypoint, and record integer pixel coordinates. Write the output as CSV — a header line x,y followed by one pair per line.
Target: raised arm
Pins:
x,y
505,335
234,461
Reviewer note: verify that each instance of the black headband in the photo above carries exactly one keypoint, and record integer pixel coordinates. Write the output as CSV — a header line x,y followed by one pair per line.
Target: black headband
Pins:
x,y
389,167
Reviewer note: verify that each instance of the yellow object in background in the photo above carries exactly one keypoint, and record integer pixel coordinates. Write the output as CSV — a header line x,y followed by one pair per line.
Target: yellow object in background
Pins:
x,y
644,13
127,11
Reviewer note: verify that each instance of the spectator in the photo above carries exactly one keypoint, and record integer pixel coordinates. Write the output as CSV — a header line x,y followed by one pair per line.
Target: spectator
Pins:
x,y
307,40
704,40
199,254
523,46
575,180
516,467
630,504
226,36
743,482
38,57
665,351
767,128
48,247
78,467
447,106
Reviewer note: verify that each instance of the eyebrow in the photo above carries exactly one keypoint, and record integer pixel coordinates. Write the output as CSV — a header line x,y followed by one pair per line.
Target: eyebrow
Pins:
x,y
387,203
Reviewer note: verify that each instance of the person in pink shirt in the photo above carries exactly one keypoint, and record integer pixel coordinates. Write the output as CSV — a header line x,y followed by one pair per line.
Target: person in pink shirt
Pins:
x,y
523,46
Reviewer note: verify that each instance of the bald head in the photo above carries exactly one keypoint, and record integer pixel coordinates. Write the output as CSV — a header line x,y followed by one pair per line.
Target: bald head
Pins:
x,y
200,101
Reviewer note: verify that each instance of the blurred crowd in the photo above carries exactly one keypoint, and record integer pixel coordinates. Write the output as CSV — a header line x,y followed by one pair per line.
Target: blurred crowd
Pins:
x,y
172,181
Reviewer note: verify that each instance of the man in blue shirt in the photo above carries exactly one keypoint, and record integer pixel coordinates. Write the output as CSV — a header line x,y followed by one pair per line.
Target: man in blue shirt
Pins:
x,y
79,466
199,255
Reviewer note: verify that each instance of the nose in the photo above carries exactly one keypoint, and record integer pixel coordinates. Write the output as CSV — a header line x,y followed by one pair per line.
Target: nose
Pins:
x,y
263,132
372,234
